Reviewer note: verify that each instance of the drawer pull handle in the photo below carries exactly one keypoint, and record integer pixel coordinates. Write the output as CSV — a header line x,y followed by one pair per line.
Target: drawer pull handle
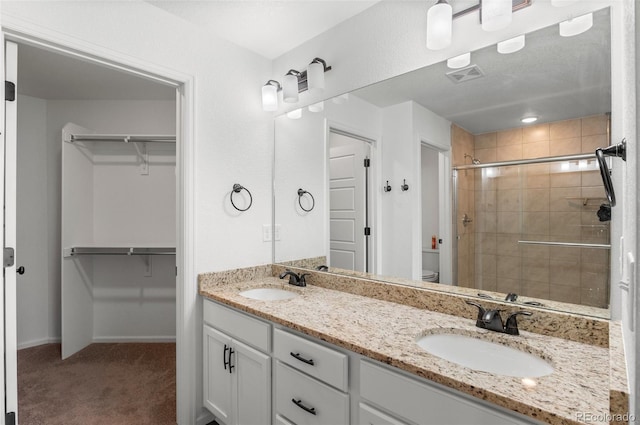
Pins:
x,y
298,403
302,359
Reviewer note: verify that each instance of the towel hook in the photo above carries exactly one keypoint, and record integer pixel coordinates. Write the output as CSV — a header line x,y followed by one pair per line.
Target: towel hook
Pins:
x,y
386,187
237,188
404,185
301,193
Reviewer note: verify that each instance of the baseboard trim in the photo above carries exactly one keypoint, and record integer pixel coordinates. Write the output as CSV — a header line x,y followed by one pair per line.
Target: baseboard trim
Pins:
x,y
114,339
36,342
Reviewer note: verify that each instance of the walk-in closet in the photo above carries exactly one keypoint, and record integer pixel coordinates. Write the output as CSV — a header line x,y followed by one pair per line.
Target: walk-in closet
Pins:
x,y
96,237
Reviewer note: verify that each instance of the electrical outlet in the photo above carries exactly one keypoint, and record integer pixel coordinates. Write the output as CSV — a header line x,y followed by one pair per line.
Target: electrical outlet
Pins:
x,y
266,233
277,232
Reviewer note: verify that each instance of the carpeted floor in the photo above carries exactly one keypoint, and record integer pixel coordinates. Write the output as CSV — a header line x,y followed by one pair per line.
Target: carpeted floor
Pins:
x,y
104,384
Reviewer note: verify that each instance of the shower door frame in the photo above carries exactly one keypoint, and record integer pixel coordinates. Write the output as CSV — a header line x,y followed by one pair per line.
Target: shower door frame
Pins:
x,y
473,167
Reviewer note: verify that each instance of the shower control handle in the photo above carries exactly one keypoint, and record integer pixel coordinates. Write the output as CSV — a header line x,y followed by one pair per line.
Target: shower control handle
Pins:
x,y
466,220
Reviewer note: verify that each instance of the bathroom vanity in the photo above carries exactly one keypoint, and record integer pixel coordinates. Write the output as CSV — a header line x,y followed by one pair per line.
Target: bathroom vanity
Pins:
x,y
330,357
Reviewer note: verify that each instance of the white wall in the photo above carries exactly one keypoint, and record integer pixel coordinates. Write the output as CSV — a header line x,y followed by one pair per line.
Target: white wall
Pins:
x,y
233,136
34,288
39,195
301,161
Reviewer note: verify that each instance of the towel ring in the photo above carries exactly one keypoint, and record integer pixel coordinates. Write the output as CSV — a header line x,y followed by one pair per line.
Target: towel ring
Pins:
x,y
236,189
301,193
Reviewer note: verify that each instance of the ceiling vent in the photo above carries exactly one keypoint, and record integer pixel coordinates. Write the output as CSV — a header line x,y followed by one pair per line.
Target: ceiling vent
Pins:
x,y
465,74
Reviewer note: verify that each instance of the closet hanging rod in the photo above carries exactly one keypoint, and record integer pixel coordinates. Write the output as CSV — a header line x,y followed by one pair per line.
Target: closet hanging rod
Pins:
x,y
73,251
152,138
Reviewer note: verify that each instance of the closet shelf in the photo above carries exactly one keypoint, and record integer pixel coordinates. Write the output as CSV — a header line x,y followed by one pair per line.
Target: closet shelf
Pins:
x,y
80,250
154,138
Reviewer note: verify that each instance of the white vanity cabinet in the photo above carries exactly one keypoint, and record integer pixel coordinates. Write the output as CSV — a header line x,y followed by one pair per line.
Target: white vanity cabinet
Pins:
x,y
421,402
237,377
316,383
311,381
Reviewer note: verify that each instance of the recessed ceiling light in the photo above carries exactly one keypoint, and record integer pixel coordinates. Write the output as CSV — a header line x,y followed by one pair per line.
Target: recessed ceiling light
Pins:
x,y
529,120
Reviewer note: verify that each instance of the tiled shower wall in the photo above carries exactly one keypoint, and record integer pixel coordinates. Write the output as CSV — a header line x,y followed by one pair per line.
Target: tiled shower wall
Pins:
x,y
545,202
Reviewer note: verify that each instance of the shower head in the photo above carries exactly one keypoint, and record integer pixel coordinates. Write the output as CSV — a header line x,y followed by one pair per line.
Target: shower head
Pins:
x,y
475,161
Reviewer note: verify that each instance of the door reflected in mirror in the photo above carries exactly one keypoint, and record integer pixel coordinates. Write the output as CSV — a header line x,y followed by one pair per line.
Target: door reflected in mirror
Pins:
x,y
429,211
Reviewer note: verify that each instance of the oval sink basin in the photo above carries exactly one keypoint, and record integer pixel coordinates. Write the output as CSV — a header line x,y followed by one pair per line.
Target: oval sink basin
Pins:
x,y
268,294
486,356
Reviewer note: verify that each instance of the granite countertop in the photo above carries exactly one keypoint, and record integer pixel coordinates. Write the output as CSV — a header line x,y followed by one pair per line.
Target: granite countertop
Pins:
x,y
387,331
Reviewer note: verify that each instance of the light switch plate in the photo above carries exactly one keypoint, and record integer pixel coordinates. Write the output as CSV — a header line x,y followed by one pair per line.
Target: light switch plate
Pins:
x,y
266,233
631,281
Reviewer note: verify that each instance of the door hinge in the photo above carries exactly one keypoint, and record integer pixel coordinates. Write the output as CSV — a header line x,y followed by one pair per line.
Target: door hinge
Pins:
x,y
367,163
9,257
10,418
9,91
367,231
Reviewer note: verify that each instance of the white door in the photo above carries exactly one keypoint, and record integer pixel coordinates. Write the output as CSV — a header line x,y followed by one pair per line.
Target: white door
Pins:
x,y
8,190
252,371
77,286
217,375
347,210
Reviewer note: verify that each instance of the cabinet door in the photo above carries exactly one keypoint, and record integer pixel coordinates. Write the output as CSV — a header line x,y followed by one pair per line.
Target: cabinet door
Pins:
x,y
217,377
252,376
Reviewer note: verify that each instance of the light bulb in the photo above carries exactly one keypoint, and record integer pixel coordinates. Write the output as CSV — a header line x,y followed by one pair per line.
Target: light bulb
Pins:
x,y
459,61
511,45
315,77
576,26
496,14
290,87
439,25
317,107
295,114
270,97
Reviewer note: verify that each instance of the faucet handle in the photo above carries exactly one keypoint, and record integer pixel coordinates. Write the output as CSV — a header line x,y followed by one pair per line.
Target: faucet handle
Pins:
x,y
302,281
511,326
481,313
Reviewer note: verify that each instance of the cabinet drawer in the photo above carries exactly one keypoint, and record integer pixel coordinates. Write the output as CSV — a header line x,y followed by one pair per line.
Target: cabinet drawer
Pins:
x,y
426,404
317,403
237,325
314,359
367,415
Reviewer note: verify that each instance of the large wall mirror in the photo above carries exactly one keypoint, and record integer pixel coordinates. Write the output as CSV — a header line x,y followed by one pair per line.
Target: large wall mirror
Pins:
x,y
431,178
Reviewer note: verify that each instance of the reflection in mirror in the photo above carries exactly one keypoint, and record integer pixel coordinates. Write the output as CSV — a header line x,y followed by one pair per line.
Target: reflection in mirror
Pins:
x,y
437,206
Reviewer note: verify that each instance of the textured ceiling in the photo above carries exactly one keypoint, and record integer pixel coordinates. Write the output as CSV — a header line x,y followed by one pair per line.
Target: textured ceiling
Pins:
x,y
553,77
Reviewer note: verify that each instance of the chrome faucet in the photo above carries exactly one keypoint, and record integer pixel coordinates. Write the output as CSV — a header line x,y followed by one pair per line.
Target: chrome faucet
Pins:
x,y
491,320
294,278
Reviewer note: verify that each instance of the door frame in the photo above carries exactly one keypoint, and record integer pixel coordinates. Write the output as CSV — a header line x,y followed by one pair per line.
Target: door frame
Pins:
x,y
20,31
374,182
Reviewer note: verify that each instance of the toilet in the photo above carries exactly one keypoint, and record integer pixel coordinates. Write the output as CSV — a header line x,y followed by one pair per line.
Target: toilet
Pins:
x,y
430,276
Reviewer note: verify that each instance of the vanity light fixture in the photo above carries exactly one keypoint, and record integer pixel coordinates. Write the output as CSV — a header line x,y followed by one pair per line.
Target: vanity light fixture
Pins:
x,y
529,120
439,25
315,75
295,114
495,14
290,86
511,45
576,26
295,82
270,95
459,61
